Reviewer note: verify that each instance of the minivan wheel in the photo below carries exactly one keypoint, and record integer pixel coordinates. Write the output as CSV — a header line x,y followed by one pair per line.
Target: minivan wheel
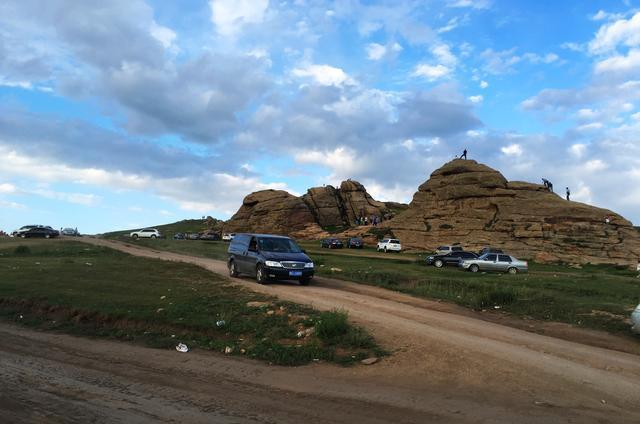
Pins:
x,y
474,268
261,277
512,270
438,263
233,271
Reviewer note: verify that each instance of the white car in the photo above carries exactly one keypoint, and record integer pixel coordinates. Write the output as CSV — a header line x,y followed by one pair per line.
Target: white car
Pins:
x,y
389,245
146,233
228,236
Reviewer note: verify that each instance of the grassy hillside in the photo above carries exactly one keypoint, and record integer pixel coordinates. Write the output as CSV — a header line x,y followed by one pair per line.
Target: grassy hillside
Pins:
x,y
184,226
89,290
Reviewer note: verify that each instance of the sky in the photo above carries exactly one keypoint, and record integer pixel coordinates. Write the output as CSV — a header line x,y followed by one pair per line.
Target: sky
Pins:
x,y
130,113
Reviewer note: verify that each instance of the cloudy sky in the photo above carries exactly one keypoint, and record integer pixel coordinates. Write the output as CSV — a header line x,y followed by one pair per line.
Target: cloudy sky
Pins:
x,y
131,113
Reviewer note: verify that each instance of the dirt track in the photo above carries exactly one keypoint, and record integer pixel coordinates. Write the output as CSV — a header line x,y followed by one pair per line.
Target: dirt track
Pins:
x,y
447,366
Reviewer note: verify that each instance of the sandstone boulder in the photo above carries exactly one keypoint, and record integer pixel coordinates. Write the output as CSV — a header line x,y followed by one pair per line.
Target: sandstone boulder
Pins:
x,y
272,212
472,204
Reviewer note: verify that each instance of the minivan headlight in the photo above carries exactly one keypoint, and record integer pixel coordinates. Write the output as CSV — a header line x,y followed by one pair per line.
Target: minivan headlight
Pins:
x,y
273,264
308,265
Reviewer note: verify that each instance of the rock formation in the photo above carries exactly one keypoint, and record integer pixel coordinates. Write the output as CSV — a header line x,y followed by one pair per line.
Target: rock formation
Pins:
x,y
472,204
271,212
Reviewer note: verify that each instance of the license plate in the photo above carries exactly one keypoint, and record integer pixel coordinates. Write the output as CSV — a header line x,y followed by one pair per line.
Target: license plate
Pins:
x,y
295,273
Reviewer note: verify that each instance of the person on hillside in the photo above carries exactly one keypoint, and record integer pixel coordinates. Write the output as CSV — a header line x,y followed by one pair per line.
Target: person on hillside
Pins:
x,y
547,184
464,154
568,194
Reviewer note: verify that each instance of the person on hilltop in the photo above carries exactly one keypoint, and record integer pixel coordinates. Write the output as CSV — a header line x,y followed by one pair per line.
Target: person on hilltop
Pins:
x,y
547,184
568,194
464,154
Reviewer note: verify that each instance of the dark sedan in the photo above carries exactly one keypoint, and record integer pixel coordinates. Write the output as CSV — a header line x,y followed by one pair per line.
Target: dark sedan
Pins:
x,y
332,243
355,243
45,232
450,259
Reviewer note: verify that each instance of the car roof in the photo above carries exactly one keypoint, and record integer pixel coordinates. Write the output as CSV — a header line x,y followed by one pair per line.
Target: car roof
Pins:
x,y
263,235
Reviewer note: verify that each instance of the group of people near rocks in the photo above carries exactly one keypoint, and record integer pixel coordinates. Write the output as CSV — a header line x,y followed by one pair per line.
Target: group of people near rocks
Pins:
x,y
549,186
365,220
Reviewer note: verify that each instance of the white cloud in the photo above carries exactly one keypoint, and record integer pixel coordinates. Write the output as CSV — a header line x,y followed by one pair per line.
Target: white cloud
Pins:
x,y
324,75
629,64
408,144
605,16
451,25
474,4
512,150
431,72
484,84
12,205
576,47
6,188
578,150
164,35
622,31
476,99
595,165
443,55
376,51
590,127
83,199
229,15
636,116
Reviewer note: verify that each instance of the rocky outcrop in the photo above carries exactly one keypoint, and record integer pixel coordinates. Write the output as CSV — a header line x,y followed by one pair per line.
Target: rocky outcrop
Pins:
x,y
469,203
358,202
272,212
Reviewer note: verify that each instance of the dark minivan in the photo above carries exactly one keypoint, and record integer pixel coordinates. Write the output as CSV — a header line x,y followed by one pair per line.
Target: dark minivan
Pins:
x,y
269,257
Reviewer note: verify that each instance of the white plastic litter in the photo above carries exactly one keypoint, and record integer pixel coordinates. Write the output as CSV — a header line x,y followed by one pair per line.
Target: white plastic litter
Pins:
x,y
220,323
182,348
635,319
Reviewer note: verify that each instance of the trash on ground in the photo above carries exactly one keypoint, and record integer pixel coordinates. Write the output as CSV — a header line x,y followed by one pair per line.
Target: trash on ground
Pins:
x,y
228,350
220,323
307,332
635,319
182,348
369,361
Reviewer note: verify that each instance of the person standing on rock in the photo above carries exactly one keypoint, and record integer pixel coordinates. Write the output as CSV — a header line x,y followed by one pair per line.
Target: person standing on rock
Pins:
x,y
547,184
568,194
464,154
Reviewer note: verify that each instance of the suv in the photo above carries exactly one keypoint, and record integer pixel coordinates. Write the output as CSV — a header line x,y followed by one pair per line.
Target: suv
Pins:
x,y
451,258
443,250
389,245
146,233
355,243
267,256
331,243
228,236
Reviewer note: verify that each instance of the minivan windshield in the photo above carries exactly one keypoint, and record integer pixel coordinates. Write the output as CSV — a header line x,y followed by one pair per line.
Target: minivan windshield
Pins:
x,y
280,245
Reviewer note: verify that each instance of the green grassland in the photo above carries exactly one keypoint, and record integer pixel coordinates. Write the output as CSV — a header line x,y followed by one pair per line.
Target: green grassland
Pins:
x,y
168,230
95,291
600,297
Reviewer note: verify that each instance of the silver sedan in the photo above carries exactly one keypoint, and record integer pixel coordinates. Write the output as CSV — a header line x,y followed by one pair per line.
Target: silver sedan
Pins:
x,y
496,263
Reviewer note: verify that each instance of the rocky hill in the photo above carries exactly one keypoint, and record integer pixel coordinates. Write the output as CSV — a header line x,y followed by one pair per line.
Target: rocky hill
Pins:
x,y
308,216
469,203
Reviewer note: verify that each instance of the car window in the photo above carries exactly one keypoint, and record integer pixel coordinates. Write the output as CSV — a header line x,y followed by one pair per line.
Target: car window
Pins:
x,y
504,258
490,257
443,248
253,244
394,241
456,248
384,241
466,255
281,245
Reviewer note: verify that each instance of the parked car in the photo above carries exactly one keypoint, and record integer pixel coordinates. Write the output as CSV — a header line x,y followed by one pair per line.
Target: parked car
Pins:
x,y
193,236
489,250
449,259
355,243
268,257
389,245
443,250
331,243
151,233
495,262
72,232
209,236
45,232
24,229
228,236
179,236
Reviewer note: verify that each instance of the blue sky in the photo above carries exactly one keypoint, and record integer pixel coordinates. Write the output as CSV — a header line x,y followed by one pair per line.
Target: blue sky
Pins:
x,y
131,113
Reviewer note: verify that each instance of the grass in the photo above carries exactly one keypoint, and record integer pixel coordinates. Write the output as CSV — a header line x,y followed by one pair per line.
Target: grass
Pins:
x,y
168,230
596,296
95,291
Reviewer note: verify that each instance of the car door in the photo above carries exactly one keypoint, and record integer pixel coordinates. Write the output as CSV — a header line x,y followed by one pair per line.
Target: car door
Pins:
x,y
251,256
490,262
504,261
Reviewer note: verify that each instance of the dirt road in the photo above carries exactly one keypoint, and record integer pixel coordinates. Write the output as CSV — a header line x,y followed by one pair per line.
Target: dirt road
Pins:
x,y
447,366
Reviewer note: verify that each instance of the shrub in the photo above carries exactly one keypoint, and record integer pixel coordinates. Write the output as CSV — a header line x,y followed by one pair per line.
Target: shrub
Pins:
x,y
22,250
332,325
